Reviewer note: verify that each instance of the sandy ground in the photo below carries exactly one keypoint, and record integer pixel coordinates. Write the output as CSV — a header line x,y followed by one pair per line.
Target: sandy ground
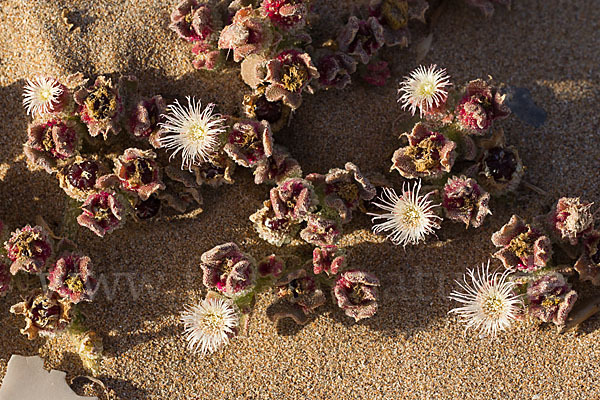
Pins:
x,y
411,349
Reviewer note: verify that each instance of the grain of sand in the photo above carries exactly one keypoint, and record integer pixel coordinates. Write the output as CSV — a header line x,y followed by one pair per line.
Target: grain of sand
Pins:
x,y
411,349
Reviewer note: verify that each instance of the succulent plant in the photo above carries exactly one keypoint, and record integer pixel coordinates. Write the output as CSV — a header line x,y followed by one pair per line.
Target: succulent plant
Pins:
x,y
286,14
271,266
588,264
465,201
249,142
294,198
524,247
248,33
192,20
356,293
29,249
570,219
299,296
274,229
71,278
228,270
328,259
100,107
288,75
361,38
145,119
320,231
550,298
51,143
344,190
481,105
429,154
138,172
45,314
79,178
277,168
102,212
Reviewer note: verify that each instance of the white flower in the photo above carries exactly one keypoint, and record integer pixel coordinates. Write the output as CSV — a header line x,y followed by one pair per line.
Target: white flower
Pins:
x,y
194,132
210,324
490,304
41,95
424,88
410,217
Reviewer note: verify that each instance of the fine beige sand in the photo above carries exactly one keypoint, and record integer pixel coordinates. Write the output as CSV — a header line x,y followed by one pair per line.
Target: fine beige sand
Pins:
x,y
411,349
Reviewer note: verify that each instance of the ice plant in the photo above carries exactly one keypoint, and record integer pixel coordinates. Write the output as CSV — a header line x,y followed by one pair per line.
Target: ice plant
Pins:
x,y
499,169
288,74
425,89
247,34
138,172
377,73
78,179
570,219
334,69
29,249
249,142
550,298
146,117
328,259
194,132
409,217
480,106
356,293
344,190
210,324
71,278
293,198
361,38
277,168
192,21
489,302
465,201
429,154
272,228
320,231
524,247
42,95
299,295
103,212
588,264
286,14
394,16
271,266
45,314
51,142
216,172
100,107
228,269
256,106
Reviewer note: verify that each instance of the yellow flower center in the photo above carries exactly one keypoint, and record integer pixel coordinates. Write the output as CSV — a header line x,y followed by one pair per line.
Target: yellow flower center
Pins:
x,y
395,13
212,322
198,131
493,306
411,216
294,78
45,95
426,89
75,284
425,155
522,245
